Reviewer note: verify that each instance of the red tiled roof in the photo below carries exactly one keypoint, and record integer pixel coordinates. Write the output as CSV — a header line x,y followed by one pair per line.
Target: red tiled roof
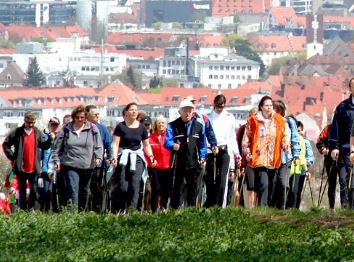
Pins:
x,y
23,32
138,53
7,51
27,32
338,19
283,15
277,43
227,8
120,94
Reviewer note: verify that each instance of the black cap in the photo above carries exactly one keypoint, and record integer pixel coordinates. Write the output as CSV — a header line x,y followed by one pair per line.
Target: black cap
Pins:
x,y
146,120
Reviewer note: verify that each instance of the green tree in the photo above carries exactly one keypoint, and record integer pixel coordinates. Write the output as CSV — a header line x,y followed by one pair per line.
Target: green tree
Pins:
x,y
277,63
35,77
244,48
237,22
7,44
131,78
155,82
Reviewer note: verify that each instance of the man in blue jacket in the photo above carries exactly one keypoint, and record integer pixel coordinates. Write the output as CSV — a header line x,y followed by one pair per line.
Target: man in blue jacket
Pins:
x,y
186,137
339,142
93,115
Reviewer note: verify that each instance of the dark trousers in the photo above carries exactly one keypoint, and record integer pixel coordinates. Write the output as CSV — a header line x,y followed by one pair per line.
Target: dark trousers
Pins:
x,y
126,192
59,198
160,187
191,177
264,183
281,184
342,170
45,192
77,186
216,177
27,203
295,190
96,189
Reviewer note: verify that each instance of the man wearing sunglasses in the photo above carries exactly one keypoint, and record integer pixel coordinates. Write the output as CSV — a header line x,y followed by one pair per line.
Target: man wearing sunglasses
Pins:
x,y
27,141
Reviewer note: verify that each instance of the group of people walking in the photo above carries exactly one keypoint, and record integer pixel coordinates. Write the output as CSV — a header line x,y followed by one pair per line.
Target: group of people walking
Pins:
x,y
195,160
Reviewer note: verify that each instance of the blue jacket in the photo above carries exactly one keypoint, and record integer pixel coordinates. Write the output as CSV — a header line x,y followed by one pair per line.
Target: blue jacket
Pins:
x,y
192,141
209,131
106,141
339,135
292,133
45,155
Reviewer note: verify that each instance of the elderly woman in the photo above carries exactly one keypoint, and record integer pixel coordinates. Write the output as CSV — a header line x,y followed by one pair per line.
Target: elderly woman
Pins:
x,y
128,138
161,173
77,151
264,140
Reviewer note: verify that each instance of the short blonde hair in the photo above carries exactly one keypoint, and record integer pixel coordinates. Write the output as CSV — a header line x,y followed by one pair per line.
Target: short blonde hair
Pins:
x,y
159,119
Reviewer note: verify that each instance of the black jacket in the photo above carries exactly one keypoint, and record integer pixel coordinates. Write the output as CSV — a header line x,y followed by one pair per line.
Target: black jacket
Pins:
x,y
15,139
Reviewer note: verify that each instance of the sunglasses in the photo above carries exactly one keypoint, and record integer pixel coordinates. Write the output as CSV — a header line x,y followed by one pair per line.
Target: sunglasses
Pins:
x,y
53,123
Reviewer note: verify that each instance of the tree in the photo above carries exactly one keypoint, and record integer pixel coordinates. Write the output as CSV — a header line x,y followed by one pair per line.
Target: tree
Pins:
x,y
244,48
35,77
131,78
155,82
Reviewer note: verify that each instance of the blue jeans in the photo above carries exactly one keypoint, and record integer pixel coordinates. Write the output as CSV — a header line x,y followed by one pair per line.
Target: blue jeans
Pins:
x,y
77,186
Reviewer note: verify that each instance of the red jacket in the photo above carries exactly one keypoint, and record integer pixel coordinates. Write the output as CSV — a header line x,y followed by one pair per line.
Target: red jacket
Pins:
x,y
161,154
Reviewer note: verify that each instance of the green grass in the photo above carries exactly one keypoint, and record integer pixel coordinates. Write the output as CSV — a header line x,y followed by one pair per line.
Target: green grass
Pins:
x,y
183,235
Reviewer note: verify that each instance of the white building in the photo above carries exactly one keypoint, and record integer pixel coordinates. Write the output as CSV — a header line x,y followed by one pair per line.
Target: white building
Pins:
x,y
220,70
67,56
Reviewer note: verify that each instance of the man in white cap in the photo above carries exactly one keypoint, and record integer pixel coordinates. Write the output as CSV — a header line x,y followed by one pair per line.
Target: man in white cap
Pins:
x,y
204,120
186,138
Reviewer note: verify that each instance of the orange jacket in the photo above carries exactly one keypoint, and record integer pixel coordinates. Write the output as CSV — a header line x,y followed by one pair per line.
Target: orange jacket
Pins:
x,y
254,125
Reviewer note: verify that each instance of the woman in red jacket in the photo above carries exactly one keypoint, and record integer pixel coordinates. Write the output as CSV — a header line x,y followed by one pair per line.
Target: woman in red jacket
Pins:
x,y
161,173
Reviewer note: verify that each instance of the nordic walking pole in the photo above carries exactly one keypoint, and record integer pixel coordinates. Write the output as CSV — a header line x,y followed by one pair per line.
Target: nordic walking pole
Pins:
x,y
325,186
173,167
313,203
319,193
198,201
234,188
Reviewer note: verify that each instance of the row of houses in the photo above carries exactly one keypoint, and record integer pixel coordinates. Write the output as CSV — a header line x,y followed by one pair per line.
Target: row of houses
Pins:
x,y
311,98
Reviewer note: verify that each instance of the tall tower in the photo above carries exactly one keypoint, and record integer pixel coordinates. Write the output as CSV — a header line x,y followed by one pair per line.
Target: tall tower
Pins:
x,y
84,14
314,34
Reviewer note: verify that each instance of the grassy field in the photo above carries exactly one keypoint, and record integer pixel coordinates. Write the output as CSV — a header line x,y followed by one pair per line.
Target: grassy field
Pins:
x,y
183,235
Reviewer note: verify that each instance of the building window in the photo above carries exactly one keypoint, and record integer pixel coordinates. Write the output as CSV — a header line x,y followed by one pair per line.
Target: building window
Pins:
x,y
222,67
216,77
249,68
111,59
243,68
216,67
229,85
210,67
175,98
238,68
221,76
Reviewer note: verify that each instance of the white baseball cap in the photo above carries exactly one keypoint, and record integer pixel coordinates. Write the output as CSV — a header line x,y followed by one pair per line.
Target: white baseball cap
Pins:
x,y
186,103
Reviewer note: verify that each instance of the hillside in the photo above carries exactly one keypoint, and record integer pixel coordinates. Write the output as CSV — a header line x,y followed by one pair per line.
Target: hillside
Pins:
x,y
188,234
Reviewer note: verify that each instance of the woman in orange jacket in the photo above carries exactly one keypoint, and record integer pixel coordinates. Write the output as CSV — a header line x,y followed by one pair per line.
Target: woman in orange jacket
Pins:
x,y
265,138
